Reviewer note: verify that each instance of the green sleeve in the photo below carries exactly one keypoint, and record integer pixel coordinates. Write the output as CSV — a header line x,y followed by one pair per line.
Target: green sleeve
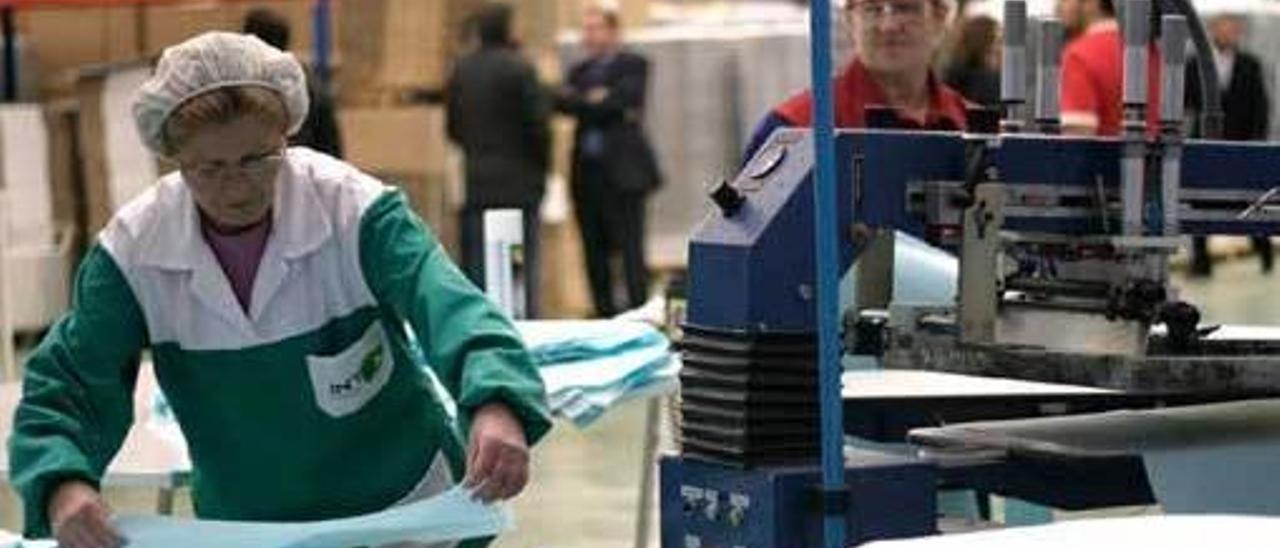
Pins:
x,y
473,348
77,392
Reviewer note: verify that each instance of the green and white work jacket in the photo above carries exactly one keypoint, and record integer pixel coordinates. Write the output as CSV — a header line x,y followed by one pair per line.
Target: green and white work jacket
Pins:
x,y
309,406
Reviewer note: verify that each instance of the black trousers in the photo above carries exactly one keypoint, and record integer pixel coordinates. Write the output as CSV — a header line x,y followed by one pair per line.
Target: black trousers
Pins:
x,y
611,222
472,225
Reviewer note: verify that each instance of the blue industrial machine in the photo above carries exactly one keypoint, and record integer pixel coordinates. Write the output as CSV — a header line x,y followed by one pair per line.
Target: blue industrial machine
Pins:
x,y
1063,246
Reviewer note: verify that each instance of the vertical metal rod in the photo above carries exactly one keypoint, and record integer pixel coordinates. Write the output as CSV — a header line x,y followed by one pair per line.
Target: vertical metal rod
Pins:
x,y
1136,25
1211,95
322,40
1173,83
1013,65
1049,77
826,254
648,461
10,53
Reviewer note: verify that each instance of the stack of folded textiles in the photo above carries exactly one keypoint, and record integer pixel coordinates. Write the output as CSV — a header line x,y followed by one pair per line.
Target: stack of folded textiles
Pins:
x,y
591,366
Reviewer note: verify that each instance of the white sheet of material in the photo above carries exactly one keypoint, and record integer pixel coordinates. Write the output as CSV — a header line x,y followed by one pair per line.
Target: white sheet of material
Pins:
x,y
452,515
131,168
923,274
903,384
10,540
1203,459
1135,532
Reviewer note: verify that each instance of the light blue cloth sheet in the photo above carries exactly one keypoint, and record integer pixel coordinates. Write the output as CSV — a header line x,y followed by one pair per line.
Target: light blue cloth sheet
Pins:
x,y
557,341
452,515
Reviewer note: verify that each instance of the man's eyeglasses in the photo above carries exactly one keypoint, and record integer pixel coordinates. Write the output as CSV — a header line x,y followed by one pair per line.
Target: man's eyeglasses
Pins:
x,y
250,166
876,10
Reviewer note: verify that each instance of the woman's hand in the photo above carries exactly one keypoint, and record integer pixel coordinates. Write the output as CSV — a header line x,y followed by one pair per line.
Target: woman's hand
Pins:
x,y
498,455
80,517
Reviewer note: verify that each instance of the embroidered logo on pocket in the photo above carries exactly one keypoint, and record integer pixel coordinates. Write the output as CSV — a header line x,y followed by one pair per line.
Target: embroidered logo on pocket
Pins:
x,y
345,382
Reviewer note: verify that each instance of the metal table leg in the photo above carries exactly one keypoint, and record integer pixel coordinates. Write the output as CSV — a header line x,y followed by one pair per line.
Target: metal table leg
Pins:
x,y
652,429
164,502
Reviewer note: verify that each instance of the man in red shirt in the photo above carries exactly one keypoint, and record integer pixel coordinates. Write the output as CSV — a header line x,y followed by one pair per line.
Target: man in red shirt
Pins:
x,y
1093,70
896,41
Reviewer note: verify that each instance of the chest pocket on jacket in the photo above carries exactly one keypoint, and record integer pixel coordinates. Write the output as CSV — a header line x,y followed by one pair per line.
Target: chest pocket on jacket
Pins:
x,y
345,382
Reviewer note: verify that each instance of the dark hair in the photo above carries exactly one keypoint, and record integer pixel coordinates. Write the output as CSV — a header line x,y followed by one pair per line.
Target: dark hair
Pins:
x,y
608,15
493,24
977,37
1108,6
268,25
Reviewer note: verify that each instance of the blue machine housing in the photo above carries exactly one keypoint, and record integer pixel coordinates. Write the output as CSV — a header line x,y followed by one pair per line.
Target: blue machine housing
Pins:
x,y
754,271
892,497
752,275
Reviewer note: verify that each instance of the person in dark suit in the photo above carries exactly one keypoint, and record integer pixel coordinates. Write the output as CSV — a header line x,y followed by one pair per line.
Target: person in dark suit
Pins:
x,y
614,168
320,131
1246,111
498,114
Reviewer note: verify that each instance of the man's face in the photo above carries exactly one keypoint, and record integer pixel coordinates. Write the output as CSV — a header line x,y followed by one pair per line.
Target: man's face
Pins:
x,y
1227,31
598,37
1072,15
896,35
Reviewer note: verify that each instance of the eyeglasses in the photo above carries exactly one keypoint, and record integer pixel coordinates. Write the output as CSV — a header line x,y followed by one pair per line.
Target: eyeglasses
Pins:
x,y
256,165
877,10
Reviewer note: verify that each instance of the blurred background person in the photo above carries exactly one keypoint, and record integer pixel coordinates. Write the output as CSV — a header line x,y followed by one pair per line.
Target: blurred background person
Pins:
x,y
320,132
614,169
498,115
974,69
1093,70
1246,110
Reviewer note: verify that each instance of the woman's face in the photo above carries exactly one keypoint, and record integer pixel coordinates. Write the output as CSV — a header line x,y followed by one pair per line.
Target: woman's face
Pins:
x,y
231,170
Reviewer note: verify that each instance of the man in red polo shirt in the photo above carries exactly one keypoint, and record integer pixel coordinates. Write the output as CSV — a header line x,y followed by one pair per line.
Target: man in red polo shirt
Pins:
x,y
1093,70
896,41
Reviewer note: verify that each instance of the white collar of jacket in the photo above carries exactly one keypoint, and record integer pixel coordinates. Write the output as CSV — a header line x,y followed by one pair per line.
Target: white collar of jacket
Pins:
x,y
299,225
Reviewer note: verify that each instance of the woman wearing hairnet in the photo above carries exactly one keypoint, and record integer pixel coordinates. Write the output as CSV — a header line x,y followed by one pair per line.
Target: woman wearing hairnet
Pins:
x,y
279,291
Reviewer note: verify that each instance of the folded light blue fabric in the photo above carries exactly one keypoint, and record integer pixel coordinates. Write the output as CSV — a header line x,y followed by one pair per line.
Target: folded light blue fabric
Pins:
x,y
584,390
591,366
556,341
587,406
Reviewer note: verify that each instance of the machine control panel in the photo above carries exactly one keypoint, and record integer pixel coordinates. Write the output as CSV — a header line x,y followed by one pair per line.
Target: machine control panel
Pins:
x,y
711,505
714,506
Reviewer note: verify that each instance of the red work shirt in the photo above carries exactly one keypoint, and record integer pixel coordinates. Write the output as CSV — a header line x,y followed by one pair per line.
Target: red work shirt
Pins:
x,y
1093,81
855,90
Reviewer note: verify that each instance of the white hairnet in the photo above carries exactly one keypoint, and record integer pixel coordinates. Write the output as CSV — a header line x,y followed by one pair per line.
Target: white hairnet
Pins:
x,y
216,60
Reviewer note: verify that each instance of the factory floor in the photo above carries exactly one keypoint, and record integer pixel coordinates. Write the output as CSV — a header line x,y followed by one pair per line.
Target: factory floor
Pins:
x,y
585,489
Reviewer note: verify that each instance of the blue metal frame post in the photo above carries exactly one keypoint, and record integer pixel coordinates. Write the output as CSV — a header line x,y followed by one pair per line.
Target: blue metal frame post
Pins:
x,y
827,254
320,23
